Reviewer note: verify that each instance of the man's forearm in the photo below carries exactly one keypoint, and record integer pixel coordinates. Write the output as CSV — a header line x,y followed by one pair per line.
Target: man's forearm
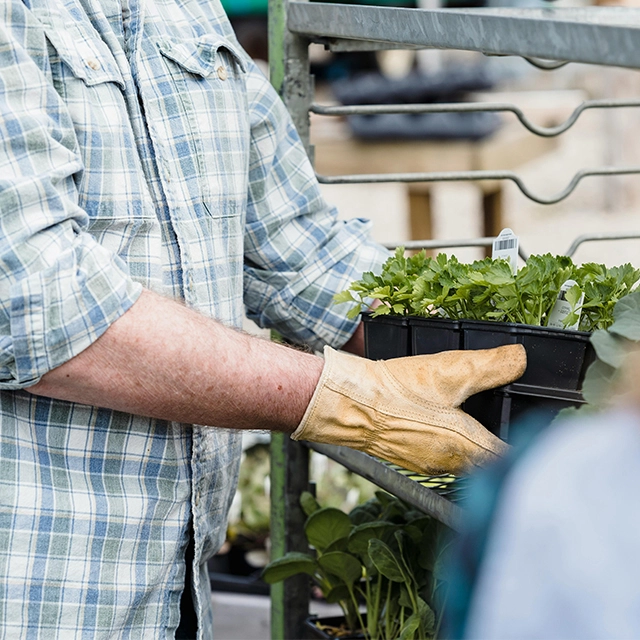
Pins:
x,y
163,360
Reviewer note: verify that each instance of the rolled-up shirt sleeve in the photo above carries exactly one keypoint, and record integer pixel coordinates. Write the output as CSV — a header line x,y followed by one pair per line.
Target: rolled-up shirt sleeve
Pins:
x,y
59,289
297,253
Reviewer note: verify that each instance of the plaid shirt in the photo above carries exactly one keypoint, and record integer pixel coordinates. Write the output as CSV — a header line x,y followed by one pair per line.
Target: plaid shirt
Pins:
x,y
140,147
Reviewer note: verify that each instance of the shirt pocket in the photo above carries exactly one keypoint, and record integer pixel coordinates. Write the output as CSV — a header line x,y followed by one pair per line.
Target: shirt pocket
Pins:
x,y
86,55
205,55
112,189
208,79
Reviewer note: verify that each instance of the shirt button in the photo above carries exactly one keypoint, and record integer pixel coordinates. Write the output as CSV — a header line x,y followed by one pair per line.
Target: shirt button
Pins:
x,y
93,63
222,73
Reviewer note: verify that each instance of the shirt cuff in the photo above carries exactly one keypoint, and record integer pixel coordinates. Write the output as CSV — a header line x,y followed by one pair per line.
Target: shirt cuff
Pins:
x,y
58,312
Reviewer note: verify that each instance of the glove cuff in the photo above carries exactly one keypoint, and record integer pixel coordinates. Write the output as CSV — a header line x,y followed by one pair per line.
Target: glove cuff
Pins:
x,y
330,417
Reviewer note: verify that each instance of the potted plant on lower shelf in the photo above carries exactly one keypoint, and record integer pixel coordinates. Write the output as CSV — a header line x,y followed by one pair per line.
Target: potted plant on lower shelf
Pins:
x,y
382,557
550,305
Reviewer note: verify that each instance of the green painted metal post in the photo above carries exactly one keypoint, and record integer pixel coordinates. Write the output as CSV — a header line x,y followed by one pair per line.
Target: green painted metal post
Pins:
x,y
289,74
289,69
289,477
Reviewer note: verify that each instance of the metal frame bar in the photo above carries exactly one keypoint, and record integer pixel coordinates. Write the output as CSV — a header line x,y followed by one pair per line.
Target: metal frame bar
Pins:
x,y
289,478
599,237
476,176
418,245
472,107
408,490
289,74
596,35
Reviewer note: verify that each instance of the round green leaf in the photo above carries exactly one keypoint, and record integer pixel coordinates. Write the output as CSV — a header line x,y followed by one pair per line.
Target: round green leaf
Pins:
x,y
359,538
337,545
336,594
627,328
385,561
628,306
308,503
410,627
342,565
289,565
596,388
326,526
427,616
609,348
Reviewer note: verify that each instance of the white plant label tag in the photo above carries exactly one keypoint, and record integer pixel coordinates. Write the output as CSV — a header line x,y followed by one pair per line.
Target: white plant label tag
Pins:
x,y
563,307
505,246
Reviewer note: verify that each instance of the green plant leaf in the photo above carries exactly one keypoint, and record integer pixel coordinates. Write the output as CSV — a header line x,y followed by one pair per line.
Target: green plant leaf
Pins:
x,y
628,304
626,315
359,537
596,388
366,512
410,627
308,503
627,327
427,616
343,565
344,296
326,526
337,545
611,349
404,600
385,561
289,565
413,532
352,314
337,593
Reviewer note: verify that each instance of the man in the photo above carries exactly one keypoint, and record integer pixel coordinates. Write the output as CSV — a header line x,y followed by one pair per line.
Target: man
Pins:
x,y
151,181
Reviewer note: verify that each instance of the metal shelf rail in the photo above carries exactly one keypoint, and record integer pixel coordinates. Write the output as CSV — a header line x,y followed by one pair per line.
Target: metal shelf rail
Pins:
x,y
548,39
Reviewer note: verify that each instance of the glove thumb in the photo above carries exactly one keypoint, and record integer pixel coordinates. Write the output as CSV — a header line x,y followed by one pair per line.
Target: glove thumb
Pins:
x,y
450,377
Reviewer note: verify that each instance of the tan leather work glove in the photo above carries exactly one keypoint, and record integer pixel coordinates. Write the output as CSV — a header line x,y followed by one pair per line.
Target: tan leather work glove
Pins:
x,y
406,410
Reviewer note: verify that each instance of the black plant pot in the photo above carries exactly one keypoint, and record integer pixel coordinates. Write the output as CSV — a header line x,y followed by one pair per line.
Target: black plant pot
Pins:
x,y
499,410
230,572
337,622
386,337
556,358
433,335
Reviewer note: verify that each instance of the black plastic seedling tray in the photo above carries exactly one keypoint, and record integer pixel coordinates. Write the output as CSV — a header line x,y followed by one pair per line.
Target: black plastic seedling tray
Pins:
x,y
386,337
433,335
556,358
501,410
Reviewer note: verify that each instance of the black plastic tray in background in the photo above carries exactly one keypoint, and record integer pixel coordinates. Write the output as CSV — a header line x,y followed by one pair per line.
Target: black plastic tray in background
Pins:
x,y
433,335
556,358
386,337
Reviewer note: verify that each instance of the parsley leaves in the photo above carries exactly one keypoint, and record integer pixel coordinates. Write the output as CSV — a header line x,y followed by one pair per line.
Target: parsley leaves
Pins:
x,y
487,290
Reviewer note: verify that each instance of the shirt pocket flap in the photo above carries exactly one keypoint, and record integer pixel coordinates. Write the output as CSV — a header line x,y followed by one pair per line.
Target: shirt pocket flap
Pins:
x,y
87,56
201,55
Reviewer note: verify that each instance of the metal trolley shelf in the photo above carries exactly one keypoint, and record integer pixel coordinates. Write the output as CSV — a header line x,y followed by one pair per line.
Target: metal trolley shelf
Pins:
x,y
435,495
548,39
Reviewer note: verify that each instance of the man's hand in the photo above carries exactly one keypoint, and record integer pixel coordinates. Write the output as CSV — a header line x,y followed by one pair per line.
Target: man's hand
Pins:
x,y
406,410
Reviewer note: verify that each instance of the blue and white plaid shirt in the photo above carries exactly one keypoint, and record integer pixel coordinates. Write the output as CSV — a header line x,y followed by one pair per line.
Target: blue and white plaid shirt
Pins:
x,y
140,147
